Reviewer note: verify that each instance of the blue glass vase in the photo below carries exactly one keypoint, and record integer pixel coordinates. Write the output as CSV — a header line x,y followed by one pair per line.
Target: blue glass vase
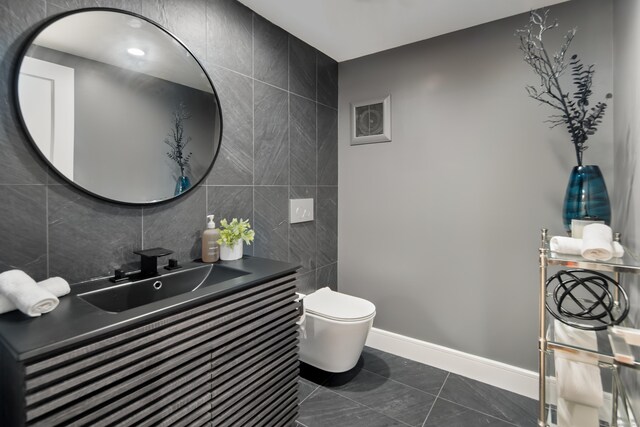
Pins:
x,y
182,185
586,196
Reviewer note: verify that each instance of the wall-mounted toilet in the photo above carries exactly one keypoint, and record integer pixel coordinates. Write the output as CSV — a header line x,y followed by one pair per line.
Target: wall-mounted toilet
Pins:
x,y
334,329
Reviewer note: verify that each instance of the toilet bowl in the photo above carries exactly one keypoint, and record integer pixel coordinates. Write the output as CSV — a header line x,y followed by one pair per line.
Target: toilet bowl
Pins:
x,y
333,329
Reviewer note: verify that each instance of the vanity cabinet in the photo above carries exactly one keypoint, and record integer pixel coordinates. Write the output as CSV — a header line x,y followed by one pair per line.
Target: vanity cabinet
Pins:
x,y
225,361
612,355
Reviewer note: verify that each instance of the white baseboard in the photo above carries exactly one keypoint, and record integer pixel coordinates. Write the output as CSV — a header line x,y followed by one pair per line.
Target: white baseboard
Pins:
x,y
498,374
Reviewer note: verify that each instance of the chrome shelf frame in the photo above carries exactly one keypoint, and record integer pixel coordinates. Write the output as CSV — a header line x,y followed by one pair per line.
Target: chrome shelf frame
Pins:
x,y
627,264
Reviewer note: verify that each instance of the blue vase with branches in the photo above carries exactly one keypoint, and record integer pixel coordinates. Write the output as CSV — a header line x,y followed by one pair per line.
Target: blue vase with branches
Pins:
x,y
177,141
586,196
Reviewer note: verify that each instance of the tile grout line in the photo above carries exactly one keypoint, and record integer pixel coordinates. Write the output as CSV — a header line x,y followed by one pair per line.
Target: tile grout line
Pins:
x,y
317,211
310,394
274,86
396,381
289,140
253,127
368,407
436,399
480,412
46,210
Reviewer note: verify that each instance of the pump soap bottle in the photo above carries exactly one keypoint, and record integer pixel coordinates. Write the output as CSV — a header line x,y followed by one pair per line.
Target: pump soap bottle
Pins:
x,y
210,236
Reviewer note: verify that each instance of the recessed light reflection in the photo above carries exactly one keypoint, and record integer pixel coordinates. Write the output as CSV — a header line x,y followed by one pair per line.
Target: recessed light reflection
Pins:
x,y
135,51
135,23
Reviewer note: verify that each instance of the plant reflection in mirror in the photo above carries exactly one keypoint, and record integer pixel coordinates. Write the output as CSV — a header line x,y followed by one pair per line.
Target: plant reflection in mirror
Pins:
x,y
176,140
581,121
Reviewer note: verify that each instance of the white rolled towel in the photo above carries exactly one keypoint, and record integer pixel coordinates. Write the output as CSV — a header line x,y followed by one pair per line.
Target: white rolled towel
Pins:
x,y
571,414
27,296
597,242
572,246
56,285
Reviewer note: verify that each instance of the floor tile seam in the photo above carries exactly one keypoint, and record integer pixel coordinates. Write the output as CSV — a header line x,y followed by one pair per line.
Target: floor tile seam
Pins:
x,y
436,399
366,406
309,395
400,382
483,413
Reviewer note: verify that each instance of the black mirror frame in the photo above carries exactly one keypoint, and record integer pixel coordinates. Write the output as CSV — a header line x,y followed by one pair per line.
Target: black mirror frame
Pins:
x,y
18,111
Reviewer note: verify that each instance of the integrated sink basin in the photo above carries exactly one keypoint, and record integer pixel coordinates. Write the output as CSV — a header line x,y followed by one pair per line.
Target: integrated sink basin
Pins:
x,y
120,297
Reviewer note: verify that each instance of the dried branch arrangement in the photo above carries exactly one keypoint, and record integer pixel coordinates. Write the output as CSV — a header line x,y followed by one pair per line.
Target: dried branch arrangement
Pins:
x,y
575,112
175,138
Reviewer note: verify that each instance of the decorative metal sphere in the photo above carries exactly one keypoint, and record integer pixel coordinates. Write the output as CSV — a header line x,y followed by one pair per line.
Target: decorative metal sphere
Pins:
x,y
584,299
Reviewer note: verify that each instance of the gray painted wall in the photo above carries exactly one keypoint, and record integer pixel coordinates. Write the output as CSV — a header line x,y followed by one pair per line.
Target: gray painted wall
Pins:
x,y
626,23
279,103
440,227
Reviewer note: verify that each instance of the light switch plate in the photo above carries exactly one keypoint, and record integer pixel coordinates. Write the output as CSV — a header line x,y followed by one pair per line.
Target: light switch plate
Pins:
x,y
300,210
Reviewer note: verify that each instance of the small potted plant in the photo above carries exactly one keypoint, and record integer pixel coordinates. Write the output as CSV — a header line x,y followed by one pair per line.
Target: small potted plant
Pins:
x,y
232,235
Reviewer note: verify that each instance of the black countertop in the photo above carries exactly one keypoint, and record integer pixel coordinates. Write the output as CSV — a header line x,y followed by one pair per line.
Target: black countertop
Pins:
x,y
75,320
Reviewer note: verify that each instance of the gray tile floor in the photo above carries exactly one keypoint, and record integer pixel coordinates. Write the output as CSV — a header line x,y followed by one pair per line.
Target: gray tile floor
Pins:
x,y
387,390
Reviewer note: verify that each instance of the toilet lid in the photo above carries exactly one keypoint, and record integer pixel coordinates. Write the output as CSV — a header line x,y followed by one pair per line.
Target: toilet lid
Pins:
x,y
334,305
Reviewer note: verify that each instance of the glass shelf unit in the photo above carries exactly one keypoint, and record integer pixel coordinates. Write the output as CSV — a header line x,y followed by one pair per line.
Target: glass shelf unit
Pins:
x,y
621,412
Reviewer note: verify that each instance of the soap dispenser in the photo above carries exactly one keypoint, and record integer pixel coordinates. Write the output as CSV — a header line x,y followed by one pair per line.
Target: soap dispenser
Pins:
x,y
210,246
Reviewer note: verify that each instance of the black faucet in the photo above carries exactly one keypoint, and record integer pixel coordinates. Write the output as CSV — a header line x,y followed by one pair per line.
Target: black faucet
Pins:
x,y
149,262
148,265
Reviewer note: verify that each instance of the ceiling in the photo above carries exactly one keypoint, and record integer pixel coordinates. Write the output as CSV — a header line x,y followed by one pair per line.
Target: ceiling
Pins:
x,y
348,29
90,35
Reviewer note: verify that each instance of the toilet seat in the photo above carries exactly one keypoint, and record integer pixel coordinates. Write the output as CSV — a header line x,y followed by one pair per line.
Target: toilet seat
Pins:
x,y
337,306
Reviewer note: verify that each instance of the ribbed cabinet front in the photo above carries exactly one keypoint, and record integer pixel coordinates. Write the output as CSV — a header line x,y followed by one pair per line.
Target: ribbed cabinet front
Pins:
x,y
232,361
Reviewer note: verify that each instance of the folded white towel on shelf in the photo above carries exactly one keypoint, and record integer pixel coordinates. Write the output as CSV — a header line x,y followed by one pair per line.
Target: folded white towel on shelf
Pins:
x,y
576,337
56,285
597,242
578,377
579,382
27,296
571,414
572,246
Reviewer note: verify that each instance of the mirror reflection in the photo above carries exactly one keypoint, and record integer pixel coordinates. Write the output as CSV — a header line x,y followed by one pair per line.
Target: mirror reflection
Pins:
x,y
118,106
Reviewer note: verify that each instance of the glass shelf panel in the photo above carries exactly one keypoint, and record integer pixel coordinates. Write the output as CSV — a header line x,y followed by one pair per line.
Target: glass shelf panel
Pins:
x,y
629,263
603,353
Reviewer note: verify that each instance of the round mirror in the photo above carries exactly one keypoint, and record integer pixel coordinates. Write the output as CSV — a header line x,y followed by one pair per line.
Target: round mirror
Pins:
x,y
118,106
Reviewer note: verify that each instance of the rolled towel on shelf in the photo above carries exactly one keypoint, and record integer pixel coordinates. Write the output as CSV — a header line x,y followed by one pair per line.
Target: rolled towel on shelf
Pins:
x,y
572,246
597,242
28,297
566,245
571,414
56,285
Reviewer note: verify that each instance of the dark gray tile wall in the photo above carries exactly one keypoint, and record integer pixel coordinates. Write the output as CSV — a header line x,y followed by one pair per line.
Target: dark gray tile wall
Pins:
x,y
279,104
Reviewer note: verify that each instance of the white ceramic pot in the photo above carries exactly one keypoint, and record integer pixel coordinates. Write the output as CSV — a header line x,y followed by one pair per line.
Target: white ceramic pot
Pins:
x,y
228,253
